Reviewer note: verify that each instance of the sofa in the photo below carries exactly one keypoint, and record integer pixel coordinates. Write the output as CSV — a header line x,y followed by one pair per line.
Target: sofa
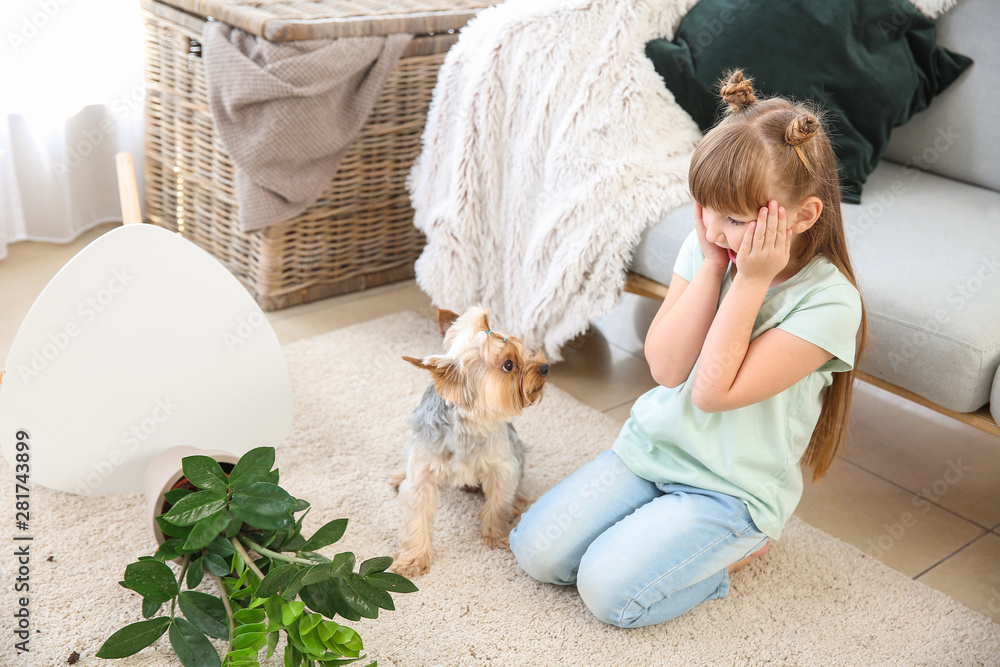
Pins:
x,y
925,239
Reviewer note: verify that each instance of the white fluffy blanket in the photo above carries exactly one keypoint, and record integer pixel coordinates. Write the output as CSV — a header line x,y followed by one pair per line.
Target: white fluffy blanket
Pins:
x,y
550,145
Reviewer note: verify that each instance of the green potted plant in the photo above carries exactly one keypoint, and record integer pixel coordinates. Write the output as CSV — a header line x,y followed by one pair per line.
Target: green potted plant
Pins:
x,y
213,528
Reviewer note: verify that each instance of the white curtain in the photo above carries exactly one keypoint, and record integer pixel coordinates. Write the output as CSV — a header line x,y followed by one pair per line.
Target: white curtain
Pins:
x,y
71,97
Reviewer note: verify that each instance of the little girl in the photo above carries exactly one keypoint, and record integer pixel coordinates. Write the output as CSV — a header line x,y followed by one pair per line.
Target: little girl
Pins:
x,y
754,349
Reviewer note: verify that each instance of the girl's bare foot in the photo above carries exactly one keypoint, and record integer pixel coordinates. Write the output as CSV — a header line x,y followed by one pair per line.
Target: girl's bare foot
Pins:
x,y
742,563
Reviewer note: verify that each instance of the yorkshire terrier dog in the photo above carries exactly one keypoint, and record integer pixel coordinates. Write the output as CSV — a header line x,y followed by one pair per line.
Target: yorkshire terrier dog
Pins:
x,y
462,434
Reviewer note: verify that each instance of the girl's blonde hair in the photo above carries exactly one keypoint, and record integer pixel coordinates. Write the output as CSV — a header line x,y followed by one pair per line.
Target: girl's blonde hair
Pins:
x,y
777,149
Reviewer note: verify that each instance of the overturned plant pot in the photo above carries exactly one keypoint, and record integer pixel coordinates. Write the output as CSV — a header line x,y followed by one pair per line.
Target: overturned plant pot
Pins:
x,y
165,473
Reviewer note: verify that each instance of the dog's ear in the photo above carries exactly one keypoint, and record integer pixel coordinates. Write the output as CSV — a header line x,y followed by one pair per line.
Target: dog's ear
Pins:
x,y
419,363
445,319
446,375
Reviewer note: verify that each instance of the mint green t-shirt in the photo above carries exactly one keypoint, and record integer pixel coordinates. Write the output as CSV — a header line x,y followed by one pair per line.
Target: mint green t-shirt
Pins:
x,y
751,453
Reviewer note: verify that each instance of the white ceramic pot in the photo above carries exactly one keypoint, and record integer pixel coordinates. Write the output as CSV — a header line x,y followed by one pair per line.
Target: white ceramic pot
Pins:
x,y
165,472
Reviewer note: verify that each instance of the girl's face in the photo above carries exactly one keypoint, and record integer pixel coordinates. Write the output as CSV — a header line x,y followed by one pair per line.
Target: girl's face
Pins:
x,y
725,229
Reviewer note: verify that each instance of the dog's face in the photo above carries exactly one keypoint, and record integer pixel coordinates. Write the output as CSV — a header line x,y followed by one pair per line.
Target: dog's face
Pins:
x,y
483,370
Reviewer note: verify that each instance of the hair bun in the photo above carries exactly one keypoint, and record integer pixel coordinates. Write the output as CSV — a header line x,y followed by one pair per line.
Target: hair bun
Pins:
x,y
736,91
802,128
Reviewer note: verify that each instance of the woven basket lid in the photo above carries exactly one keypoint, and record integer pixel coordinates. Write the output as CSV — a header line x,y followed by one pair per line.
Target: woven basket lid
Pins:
x,y
293,20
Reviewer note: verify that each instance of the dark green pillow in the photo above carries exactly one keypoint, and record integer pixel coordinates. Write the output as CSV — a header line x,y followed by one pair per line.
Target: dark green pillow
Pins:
x,y
871,64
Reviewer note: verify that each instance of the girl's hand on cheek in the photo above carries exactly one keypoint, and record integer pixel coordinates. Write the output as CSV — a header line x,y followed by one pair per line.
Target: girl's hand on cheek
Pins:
x,y
714,255
766,246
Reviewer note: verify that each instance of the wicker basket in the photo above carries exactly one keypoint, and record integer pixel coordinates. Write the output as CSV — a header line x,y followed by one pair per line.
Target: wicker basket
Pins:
x,y
360,233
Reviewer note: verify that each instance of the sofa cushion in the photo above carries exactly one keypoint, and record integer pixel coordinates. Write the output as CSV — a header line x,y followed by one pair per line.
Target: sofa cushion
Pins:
x,y
958,135
927,253
871,63
926,250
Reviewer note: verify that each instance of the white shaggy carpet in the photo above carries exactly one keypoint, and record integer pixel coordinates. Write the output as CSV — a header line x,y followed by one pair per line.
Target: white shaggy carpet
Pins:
x,y
812,600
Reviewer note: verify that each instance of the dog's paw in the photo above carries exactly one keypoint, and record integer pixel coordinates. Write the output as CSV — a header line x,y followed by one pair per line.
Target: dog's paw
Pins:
x,y
411,565
497,540
520,505
397,479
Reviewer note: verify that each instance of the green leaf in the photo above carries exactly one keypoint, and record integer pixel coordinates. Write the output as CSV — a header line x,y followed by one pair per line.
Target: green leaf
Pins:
x,y
309,621
249,628
221,546
264,498
246,656
252,640
293,658
207,530
327,599
374,595
205,611
295,585
268,538
250,616
252,467
271,477
325,536
196,572
174,495
192,647
205,473
262,521
377,564
355,599
291,610
170,549
152,580
191,509
149,607
234,525
390,581
311,641
238,567
241,594
273,608
272,642
348,638
293,542
216,565
300,505
170,530
133,638
327,629
277,580
343,564
317,573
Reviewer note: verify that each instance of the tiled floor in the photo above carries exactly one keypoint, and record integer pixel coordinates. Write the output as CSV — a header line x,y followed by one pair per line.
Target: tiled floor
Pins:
x,y
915,490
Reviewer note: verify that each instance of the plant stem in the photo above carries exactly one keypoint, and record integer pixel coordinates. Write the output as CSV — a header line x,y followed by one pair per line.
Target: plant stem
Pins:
x,y
180,582
263,551
225,603
246,557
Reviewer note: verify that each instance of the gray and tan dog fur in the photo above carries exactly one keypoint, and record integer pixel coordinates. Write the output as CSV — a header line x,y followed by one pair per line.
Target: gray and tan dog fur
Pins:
x,y
461,432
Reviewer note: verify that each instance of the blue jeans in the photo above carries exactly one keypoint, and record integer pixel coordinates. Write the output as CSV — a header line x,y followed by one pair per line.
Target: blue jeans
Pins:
x,y
640,553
